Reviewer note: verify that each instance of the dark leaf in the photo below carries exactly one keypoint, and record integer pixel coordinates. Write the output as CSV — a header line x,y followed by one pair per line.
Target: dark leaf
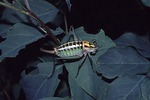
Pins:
x,y
148,74
141,43
77,92
13,16
46,12
87,78
128,88
17,38
38,86
63,90
117,62
88,81
53,98
145,89
4,29
146,2
57,31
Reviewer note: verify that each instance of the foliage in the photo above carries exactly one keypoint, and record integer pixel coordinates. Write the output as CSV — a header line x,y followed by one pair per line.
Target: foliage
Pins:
x,y
17,38
146,2
120,71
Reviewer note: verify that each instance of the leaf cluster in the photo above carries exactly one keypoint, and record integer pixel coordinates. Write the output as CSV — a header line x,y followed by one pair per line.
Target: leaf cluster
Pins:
x,y
120,71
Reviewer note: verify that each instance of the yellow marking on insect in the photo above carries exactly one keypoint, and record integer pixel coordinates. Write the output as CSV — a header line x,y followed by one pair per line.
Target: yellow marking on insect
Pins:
x,y
87,44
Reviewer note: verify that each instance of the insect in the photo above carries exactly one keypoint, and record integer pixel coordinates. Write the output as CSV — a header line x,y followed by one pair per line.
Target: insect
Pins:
x,y
74,49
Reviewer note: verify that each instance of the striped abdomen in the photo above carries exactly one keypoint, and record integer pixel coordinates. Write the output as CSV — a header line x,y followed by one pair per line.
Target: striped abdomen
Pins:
x,y
69,49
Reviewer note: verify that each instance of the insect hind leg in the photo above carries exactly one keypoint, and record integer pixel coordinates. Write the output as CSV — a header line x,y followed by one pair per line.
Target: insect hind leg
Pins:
x,y
92,62
84,58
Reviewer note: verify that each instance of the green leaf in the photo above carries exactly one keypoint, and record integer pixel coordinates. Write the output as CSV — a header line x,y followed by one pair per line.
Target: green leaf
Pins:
x,y
86,73
140,43
57,31
17,38
13,16
88,80
146,2
63,90
127,88
38,85
46,12
77,93
122,61
4,29
145,89
53,98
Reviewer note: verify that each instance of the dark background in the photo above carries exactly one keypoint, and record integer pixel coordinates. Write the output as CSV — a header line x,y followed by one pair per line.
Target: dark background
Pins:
x,y
114,16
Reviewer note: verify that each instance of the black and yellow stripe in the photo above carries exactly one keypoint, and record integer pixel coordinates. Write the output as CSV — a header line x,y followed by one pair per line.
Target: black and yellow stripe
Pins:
x,y
70,49
74,48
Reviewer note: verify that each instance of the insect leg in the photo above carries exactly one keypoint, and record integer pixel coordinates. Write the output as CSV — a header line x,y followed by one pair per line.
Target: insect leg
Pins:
x,y
91,61
72,34
84,58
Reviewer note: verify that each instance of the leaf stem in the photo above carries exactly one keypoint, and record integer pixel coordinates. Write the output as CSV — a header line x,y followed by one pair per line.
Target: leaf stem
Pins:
x,y
14,8
28,12
47,29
